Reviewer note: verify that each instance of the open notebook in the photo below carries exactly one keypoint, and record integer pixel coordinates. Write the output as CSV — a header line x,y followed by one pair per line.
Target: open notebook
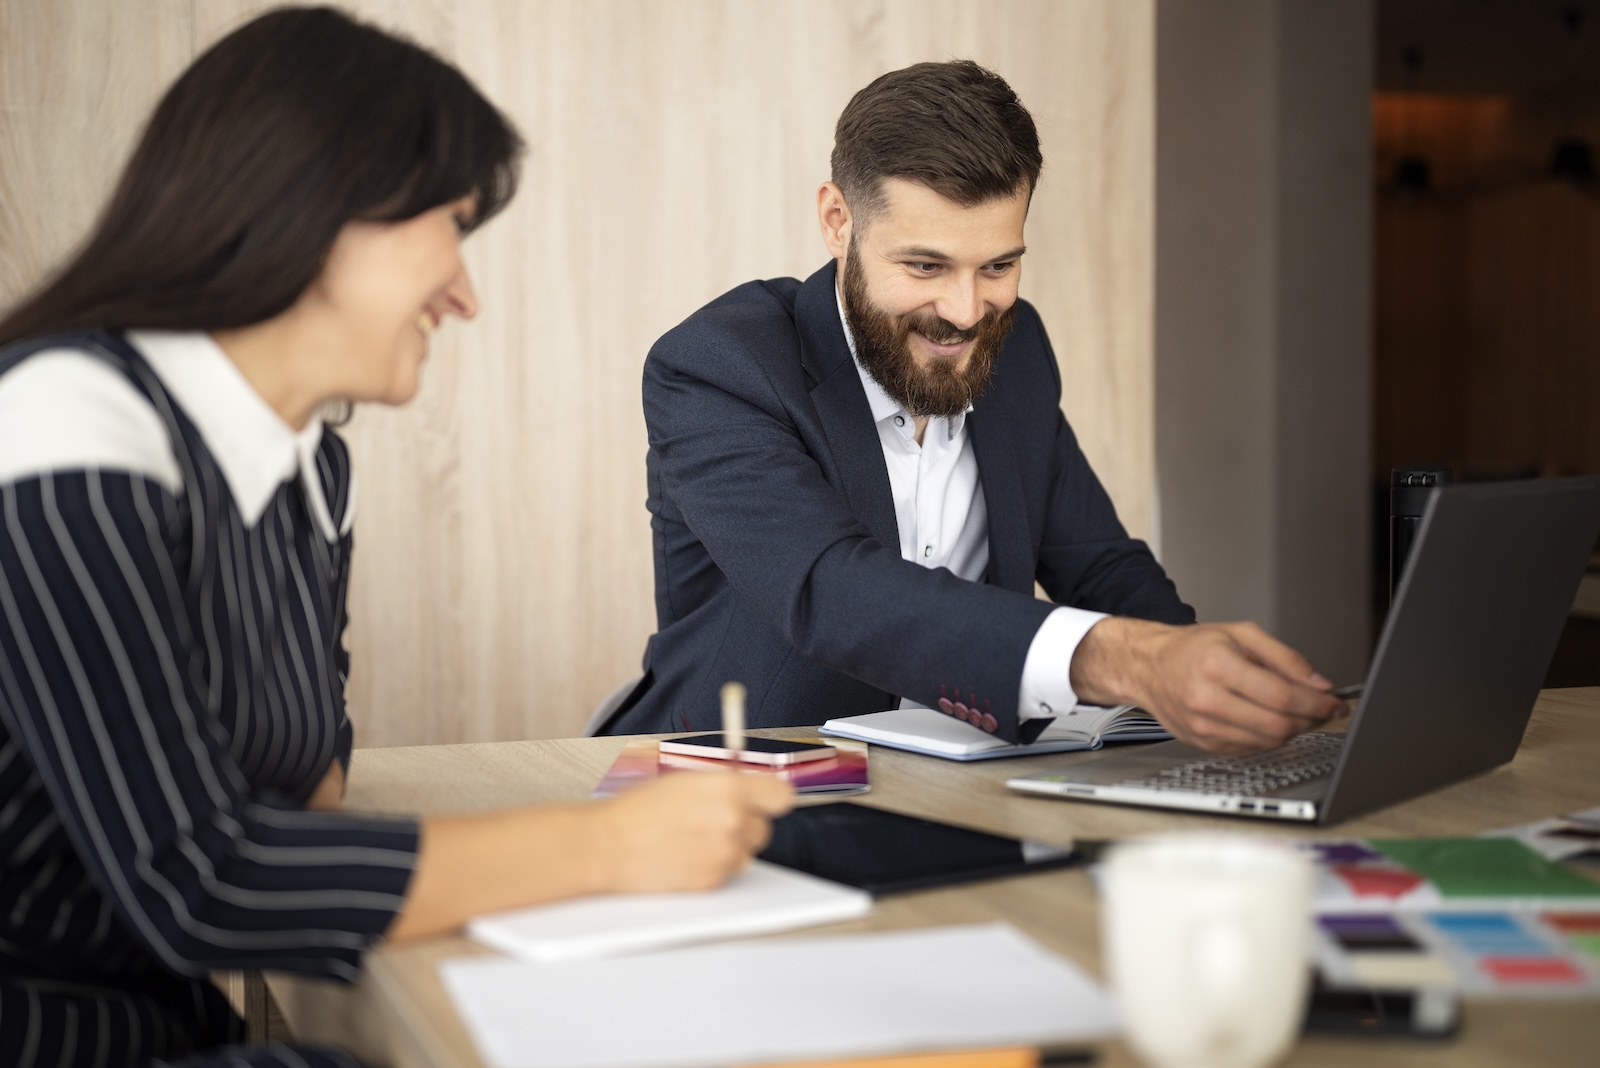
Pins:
x,y
922,730
762,899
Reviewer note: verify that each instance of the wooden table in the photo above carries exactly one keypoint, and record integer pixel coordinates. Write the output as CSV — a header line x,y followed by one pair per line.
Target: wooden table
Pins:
x,y
401,1016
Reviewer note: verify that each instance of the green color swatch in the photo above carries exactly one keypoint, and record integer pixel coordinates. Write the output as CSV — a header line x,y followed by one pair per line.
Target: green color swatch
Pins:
x,y
1485,867
1589,943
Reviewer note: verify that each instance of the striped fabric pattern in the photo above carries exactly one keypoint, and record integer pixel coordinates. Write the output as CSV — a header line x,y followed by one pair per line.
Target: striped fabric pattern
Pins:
x,y
171,692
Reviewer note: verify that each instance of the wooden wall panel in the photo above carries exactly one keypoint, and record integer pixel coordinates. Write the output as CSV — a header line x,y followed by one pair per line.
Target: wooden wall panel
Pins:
x,y
77,80
504,582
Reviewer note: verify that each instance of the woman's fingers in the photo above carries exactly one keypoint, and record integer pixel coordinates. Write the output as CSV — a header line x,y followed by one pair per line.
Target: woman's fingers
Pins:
x,y
691,830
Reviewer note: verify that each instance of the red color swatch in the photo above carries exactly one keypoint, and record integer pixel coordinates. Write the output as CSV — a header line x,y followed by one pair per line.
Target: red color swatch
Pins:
x,y
1377,882
1574,922
1531,969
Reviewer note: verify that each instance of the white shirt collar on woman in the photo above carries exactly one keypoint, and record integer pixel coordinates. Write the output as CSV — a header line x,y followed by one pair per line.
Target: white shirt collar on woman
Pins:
x,y
63,410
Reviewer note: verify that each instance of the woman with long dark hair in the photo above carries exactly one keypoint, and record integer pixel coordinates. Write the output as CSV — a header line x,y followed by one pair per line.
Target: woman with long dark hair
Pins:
x,y
175,549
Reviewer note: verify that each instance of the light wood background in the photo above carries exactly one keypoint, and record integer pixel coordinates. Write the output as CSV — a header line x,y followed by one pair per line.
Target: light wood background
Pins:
x,y
503,579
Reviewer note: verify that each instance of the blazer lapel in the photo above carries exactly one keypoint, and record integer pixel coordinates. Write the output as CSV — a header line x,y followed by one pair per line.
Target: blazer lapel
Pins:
x,y
842,408
1010,545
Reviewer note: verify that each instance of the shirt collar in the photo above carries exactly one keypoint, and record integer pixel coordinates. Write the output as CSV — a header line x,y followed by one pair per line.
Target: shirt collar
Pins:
x,y
883,406
256,450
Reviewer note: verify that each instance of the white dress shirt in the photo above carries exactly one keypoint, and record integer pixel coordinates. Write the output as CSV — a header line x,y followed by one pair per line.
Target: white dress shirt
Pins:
x,y
944,522
63,409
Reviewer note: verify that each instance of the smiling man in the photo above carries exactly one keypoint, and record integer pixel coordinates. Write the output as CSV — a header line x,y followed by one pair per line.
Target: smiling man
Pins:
x,y
856,480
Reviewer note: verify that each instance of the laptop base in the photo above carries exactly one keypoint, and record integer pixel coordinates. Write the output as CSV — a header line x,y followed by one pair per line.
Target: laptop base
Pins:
x,y
1285,783
1276,808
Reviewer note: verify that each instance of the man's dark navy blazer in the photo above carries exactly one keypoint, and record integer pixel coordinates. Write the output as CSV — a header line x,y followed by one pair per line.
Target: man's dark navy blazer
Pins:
x,y
777,553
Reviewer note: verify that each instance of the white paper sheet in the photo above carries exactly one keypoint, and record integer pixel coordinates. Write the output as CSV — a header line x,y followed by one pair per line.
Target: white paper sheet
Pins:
x,y
792,999
762,899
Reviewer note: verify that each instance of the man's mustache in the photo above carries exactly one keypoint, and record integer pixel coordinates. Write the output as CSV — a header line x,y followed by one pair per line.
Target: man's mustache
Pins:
x,y
943,332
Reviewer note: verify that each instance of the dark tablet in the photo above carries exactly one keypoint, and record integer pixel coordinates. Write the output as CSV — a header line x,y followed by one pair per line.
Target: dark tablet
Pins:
x,y
885,852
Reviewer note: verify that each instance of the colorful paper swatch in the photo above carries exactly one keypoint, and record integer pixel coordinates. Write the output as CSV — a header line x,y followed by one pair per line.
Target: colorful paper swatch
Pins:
x,y
1350,852
844,775
1531,969
1387,883
1488,952
1369,932
1489,933
1488,916
1443,873
1377,951
1486,868
1582,929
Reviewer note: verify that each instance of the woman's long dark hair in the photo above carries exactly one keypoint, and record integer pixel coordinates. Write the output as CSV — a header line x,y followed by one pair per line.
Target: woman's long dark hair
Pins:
x,y
281,133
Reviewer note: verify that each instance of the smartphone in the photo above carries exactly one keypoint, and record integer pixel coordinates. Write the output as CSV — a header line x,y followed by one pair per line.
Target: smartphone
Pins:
x,y
774,752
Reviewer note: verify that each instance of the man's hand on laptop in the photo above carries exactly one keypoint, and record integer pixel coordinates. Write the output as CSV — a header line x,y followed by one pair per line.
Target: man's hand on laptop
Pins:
x,y
1224,687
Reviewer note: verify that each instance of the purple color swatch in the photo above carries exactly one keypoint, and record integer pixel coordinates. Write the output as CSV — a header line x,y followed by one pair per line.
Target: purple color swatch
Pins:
x,y
1345,852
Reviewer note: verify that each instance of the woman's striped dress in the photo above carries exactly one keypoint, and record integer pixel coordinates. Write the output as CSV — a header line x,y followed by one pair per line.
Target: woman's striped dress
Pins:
x,y
171,693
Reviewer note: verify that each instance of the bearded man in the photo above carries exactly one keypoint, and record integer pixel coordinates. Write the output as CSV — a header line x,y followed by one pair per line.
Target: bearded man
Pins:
x,y
856,480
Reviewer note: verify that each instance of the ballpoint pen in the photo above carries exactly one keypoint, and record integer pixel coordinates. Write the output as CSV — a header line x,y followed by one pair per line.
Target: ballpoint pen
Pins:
x,y
733,718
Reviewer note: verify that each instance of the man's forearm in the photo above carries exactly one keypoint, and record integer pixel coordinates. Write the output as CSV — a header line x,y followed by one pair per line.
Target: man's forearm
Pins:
x,y
1112,658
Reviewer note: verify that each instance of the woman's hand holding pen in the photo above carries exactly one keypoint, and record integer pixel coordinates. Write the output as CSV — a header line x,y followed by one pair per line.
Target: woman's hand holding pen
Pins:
x,y
687,831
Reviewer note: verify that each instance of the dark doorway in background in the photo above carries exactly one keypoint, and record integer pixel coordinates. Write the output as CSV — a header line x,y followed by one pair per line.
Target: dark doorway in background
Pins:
x,y
1486,124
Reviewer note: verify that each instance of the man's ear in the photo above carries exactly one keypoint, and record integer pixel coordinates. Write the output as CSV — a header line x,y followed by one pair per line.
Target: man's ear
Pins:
x,y
833,218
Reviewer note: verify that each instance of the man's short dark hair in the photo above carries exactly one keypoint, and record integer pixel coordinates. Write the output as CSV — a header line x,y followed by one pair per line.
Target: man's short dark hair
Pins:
x,y
955,127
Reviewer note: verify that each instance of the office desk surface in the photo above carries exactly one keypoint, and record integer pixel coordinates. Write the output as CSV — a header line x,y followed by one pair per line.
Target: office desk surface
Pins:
x,y
401,1016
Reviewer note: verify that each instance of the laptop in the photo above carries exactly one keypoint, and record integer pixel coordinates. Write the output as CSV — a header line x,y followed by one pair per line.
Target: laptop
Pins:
x,y
1486,591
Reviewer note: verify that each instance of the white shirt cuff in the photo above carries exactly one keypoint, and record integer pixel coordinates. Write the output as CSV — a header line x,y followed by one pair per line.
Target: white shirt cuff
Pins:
x,y
1046,674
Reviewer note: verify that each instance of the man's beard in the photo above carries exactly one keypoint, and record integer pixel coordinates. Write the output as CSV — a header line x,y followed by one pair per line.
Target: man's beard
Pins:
x,y
883,345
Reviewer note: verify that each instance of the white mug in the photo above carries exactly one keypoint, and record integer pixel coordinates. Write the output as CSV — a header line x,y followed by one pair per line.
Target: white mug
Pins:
x,y
1207,944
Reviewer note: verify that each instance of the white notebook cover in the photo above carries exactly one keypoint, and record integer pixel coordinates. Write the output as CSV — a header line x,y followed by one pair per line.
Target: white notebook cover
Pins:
x,y
762,899
922,730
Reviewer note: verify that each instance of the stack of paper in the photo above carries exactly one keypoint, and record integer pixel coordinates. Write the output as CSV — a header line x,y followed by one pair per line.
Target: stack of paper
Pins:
x,y
972,987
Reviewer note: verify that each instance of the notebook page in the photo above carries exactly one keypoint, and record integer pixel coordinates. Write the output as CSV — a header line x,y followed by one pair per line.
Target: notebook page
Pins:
x,y
881,993
1094,722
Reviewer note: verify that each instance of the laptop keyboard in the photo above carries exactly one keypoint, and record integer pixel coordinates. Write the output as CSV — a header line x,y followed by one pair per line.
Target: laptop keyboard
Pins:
x,y
1303,757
